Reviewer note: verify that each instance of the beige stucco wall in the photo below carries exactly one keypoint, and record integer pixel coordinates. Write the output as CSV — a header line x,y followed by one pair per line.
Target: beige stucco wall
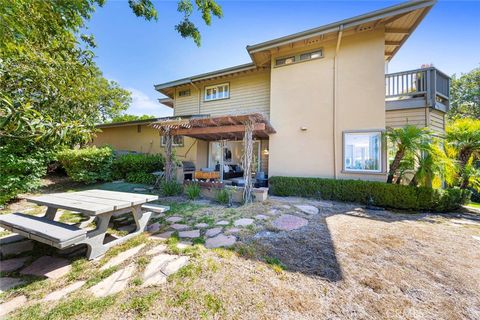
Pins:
x,y
302,95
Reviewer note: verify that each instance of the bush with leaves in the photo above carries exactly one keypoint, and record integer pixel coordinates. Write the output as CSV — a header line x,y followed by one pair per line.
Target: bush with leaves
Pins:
x,y
192,190
87,165
171,188
139,163
140,177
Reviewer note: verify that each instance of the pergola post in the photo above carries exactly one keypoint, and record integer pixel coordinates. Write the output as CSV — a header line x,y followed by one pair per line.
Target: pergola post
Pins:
x,y
247,160
168,156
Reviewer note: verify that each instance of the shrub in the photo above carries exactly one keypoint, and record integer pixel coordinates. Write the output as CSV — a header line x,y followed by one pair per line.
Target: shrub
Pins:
x,y
384,195
222,196
140,177
171,188
144,163
87,165
192,190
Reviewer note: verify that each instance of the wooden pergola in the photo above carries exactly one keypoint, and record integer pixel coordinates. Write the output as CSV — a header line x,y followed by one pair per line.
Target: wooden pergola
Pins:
x,y
217,128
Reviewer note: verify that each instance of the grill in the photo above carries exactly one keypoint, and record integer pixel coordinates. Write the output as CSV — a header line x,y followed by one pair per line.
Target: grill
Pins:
x,y
188,170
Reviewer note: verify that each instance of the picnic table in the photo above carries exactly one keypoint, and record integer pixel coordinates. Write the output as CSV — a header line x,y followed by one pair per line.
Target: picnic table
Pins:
x,y
101,204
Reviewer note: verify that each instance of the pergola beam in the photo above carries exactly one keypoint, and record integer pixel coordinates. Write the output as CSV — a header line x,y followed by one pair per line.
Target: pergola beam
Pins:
x,y
216,130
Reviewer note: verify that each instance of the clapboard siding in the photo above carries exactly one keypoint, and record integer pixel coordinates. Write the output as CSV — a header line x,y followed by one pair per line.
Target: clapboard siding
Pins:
x,y
249,93
437,121
400,118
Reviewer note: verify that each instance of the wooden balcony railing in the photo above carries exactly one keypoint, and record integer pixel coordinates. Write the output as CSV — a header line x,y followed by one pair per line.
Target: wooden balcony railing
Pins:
x,y
428,83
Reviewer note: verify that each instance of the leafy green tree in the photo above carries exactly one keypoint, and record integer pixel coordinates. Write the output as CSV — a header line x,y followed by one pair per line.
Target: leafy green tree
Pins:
x,y
130,117
465,95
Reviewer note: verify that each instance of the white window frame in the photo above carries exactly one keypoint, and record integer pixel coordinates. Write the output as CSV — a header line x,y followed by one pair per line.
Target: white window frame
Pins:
x,y
217,94
162,141
380,151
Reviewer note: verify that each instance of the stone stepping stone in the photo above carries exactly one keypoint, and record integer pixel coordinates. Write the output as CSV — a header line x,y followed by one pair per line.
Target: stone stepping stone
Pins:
x,y
12,264
47,266
233,230
201,225
153,227
213,232
243,222
154,272
174,265
220,241
12,305
288,222
174,219
308,209
15,247
222,223
156,250
162,236
7,283
179,226
122,257
189,234
261,217
114,283
59,294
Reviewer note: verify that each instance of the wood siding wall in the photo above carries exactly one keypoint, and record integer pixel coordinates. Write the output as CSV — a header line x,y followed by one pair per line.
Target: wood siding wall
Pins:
x,y
249,93
421,117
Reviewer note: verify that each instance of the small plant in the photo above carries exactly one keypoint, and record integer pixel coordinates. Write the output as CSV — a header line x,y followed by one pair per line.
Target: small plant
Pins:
x,y
171,188
223,196
192,191
275,264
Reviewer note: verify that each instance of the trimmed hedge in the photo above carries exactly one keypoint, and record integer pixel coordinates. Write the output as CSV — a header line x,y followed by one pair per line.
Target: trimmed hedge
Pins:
x,y
135,167
383,195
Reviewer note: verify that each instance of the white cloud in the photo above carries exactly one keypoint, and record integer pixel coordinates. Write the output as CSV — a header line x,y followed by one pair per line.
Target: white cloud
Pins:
x,y
143,104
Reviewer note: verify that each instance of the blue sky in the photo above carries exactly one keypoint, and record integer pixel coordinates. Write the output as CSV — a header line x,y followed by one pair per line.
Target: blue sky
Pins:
x,y
139,54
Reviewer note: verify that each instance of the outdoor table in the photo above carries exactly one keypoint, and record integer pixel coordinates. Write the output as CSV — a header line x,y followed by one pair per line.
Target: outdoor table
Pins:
x,y
101,204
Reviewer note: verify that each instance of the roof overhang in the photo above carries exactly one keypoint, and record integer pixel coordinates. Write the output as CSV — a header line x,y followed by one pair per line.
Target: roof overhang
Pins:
x,y
399,22
230,127
168,102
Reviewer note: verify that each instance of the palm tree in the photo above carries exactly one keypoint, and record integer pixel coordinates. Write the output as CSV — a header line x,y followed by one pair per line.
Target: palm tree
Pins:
x,y
407,139
463,139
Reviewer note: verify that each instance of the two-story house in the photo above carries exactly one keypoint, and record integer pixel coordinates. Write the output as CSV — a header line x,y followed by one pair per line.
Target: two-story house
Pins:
x,y
320,98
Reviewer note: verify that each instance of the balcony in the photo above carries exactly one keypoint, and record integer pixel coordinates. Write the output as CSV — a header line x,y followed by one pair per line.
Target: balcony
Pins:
x,y
421,88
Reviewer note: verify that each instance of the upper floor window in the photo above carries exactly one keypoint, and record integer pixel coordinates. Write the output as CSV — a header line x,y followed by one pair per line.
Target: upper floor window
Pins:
x,y
299,57
362,151
216,92
184,93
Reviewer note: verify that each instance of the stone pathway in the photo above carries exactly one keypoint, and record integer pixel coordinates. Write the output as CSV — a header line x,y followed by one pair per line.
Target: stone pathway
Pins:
x,y
12,305
308,209
12,264
201,225
7,283
160,267
189,234
59,294
161,236
156,250
220,240
213,232
174,219
243,222
179,226
288,222
261,217
122,257
114,283
47,266
232,230
223,223
153,227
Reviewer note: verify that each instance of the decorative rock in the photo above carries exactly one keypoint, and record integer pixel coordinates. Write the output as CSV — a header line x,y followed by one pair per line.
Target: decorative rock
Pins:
x,y
222,223
156,250
7,283
232,230
59,294
153,227
220,241
201,225
47,266
153,274
308,209
15,248
122,257
162,236
261,217
179,226
174,219
12,264
189,234
114,283
213,232
288,222
243,222
12,305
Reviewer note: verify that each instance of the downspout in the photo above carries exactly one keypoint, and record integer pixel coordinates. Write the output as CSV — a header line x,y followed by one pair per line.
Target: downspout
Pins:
x,y
335,77
199,94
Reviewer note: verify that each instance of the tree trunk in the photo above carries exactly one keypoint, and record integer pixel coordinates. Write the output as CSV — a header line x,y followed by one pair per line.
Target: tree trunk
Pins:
x,y
248,153
395,164
168,157
463,157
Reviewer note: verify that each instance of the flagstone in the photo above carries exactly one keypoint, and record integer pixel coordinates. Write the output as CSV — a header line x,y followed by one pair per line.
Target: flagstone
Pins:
x,y
12,264
7,283
288,222
12,305
213,231
153,227
179,226
59,294
223,223
153,275
308,209
261,217
174,219
201,225
189,234
157,249
48,266
122,257
243,222
220,240
161,236
114,283
232,230
174,265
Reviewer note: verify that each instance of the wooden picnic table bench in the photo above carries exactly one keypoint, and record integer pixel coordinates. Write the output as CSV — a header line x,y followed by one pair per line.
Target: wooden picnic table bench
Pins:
x,y
100,204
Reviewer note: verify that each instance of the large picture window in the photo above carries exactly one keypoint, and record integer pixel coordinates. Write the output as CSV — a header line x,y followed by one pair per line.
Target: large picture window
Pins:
x,y
362,151
217,92
177,141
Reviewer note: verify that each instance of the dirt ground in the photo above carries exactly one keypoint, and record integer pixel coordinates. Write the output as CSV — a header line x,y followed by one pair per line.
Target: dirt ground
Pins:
x,y
347,263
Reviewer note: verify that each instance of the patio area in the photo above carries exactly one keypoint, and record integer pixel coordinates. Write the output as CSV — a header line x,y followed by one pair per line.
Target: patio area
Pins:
x,y
286,257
